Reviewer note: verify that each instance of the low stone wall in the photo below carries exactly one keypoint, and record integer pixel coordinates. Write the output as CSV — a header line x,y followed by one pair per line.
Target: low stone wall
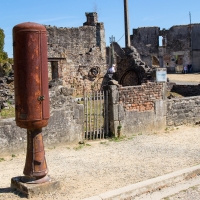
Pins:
x,y
186,90
183,111
65,124
137,109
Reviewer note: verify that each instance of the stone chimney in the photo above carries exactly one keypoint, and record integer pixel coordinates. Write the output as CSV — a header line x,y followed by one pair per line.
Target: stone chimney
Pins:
x,y
92,19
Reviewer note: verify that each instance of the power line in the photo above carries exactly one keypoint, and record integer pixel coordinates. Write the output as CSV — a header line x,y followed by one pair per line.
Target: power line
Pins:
x,y
120,38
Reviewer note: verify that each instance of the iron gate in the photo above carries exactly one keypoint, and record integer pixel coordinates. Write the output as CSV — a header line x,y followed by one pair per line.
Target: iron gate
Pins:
x,y
96,115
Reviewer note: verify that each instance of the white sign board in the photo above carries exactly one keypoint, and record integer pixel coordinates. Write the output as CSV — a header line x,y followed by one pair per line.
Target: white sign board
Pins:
x,y
161,76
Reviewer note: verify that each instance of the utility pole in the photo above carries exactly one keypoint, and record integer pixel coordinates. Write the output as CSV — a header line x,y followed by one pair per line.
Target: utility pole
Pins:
x,y
191,54
112,39
126,24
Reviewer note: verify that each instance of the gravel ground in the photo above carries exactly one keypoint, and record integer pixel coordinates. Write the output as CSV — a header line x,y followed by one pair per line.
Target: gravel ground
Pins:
x,y
185,79
192,193
101,166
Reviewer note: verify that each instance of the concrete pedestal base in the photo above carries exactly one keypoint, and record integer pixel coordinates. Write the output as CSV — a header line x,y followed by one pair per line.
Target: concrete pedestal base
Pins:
x,y
32,190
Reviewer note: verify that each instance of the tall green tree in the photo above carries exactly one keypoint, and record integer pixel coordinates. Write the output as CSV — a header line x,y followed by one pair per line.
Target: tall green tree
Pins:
x,y
2,36
3,55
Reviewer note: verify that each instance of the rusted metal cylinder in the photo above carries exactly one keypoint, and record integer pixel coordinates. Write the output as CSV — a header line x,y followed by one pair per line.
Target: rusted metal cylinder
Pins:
x,y
35,158
31,75
31,93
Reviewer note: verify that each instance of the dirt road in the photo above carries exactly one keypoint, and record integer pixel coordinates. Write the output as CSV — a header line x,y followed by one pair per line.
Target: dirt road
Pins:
x,y
184,78
101,166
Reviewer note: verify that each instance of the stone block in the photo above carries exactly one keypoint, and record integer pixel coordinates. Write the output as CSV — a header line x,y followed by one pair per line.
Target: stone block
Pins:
x,y
32,190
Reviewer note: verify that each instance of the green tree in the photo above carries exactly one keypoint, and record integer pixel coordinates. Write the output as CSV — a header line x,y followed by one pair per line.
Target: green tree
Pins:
x,y
5,62
3,55
2,36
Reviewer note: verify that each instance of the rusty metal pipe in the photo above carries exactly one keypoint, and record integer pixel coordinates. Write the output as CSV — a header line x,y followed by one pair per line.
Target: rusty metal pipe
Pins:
x,y
35,165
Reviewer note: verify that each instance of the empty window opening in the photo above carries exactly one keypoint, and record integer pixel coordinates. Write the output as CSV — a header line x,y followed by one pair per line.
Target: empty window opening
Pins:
x,y
160,41
54,69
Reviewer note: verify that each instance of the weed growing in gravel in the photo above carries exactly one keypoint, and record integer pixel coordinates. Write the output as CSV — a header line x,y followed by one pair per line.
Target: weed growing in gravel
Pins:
x,y
104,143
168,129
117,139
50,148
2,159
13,155
166,198
194,188
80,146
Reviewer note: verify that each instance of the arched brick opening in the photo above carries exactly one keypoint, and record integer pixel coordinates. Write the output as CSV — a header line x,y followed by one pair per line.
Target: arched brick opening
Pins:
x,y
130,78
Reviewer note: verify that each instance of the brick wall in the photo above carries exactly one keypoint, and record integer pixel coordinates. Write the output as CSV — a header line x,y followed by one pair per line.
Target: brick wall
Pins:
x,y
137,109
140,98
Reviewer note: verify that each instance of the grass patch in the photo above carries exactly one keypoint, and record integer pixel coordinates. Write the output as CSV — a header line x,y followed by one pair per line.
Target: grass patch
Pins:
x,y
50,148
104,143
172,95
117,139
2,159
168,129
166,198
80,146
194,188
7,112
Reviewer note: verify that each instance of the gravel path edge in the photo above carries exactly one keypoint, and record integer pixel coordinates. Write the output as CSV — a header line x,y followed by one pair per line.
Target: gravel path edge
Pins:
x,y
151,185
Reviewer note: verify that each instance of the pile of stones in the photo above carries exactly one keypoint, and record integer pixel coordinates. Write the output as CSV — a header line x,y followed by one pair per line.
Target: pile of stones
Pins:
x,y
6,91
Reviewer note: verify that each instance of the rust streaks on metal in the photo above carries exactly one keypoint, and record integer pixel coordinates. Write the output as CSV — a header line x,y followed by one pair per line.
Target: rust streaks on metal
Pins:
x,y
31,94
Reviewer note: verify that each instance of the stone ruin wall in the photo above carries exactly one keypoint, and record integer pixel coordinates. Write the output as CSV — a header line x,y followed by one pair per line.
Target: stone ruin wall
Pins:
x,y
78,51
178,46
183,111
64,126
146,41
131,70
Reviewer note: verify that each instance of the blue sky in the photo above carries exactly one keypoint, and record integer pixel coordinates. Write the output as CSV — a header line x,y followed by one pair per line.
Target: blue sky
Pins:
x,y
71,13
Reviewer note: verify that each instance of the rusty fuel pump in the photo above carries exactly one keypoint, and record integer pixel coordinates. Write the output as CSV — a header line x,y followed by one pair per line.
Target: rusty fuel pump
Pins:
x,y
31,94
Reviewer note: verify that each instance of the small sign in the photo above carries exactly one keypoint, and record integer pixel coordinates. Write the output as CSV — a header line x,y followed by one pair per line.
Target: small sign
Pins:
x,y
161,76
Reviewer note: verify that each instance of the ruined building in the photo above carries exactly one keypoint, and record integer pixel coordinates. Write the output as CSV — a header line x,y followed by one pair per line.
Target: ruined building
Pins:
x,y
131,70
180,46
77,56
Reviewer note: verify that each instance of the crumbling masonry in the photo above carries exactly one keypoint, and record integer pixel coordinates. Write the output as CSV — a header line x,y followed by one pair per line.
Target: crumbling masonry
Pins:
x,y
77,55
79,58
180,46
